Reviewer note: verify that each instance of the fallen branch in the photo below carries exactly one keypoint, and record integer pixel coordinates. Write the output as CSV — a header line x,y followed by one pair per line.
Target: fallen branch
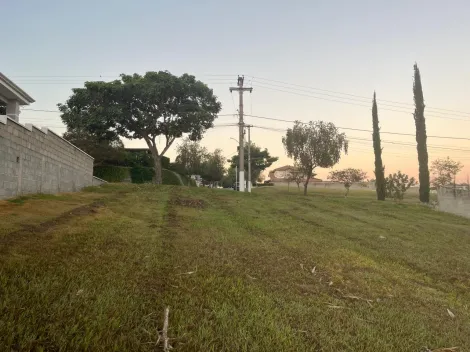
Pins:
x,y
335,307
448,349
369,301
189,272
166,346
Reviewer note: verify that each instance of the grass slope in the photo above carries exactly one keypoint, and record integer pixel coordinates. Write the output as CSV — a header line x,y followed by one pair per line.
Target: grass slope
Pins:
x,y
94,271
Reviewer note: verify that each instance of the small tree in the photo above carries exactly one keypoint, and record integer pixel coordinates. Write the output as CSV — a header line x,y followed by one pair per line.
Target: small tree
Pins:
x,y
260,160
190,158
379,167
144,107
347,177
421,137
229,178
297,175
214,166
444,171
397,184
316,144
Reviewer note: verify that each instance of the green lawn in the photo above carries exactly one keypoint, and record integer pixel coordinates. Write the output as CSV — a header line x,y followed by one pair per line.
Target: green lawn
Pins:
x,y
95,270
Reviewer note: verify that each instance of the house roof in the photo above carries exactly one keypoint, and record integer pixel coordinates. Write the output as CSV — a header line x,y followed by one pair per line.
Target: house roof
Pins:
x,y
283,168
10,91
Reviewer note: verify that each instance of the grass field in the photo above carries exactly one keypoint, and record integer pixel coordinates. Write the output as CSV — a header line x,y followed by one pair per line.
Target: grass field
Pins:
x,y
267,271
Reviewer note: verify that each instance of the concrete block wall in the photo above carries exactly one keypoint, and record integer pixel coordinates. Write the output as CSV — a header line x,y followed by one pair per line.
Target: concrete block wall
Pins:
x,y
34,160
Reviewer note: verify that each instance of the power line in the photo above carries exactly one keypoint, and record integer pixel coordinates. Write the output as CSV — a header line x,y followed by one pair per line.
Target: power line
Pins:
x,y
227,77
356,104
358,129
357,96
387,142
361,101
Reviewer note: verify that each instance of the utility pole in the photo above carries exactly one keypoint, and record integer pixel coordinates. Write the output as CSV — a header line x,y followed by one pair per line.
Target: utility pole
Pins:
x,y
241,125
249,159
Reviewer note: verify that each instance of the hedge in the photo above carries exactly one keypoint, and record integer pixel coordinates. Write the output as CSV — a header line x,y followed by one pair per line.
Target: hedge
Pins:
x,y
136,174
140,174
111,173
169,178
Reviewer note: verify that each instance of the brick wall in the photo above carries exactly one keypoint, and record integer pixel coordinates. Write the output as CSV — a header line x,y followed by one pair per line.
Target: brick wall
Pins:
x,y
34,160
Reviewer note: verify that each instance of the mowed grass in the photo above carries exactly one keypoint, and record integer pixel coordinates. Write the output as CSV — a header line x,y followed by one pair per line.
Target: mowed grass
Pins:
x,y
267,271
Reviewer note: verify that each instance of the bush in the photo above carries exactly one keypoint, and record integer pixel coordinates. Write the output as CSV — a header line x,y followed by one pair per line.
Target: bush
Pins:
x,y
140,174
397,184
111,173
169,178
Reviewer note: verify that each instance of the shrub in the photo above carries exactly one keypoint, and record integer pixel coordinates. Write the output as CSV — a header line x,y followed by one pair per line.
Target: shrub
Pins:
x,y
140,174
111,173
397,184
169,178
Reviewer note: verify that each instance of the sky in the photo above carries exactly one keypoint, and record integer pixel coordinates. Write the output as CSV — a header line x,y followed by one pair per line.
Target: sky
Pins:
x,y
306,60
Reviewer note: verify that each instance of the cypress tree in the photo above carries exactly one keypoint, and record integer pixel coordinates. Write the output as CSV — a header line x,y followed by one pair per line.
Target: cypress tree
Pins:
x,y
421,137
379,168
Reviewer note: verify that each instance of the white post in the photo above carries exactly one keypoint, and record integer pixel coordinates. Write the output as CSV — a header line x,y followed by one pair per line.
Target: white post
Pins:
x,y
249,161
236,177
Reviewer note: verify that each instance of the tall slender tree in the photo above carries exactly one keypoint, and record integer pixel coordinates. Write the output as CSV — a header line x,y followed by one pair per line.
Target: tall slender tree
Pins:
x,y
420,122
379,168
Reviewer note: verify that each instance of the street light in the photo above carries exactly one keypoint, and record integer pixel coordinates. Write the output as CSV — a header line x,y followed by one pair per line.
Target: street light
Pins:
x,y
234,140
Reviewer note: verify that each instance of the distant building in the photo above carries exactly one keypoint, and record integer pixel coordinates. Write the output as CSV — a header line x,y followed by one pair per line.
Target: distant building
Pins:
x,y
282,174
197,179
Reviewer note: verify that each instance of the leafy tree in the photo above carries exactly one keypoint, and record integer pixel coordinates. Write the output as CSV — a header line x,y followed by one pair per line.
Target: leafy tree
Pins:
x,y
191,157
379,168
229,178
144,107
444,171
105,150
397,184
316,144
296,176
260,160
348,177
421,137
214,166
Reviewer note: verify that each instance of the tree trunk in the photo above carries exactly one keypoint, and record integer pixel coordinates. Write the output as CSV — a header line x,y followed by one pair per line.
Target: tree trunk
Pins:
x,y
306,184
158,169
347,191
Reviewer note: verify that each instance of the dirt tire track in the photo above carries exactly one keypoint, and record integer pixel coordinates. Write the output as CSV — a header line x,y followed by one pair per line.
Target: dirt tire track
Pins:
x,y
30,232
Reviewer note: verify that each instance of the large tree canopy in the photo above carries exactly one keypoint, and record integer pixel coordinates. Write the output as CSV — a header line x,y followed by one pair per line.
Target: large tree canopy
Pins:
x,y
260,160
314,144
101,149
144,107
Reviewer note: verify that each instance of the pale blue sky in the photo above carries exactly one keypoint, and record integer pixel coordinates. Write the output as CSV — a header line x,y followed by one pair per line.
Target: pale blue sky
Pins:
x,y
346,46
